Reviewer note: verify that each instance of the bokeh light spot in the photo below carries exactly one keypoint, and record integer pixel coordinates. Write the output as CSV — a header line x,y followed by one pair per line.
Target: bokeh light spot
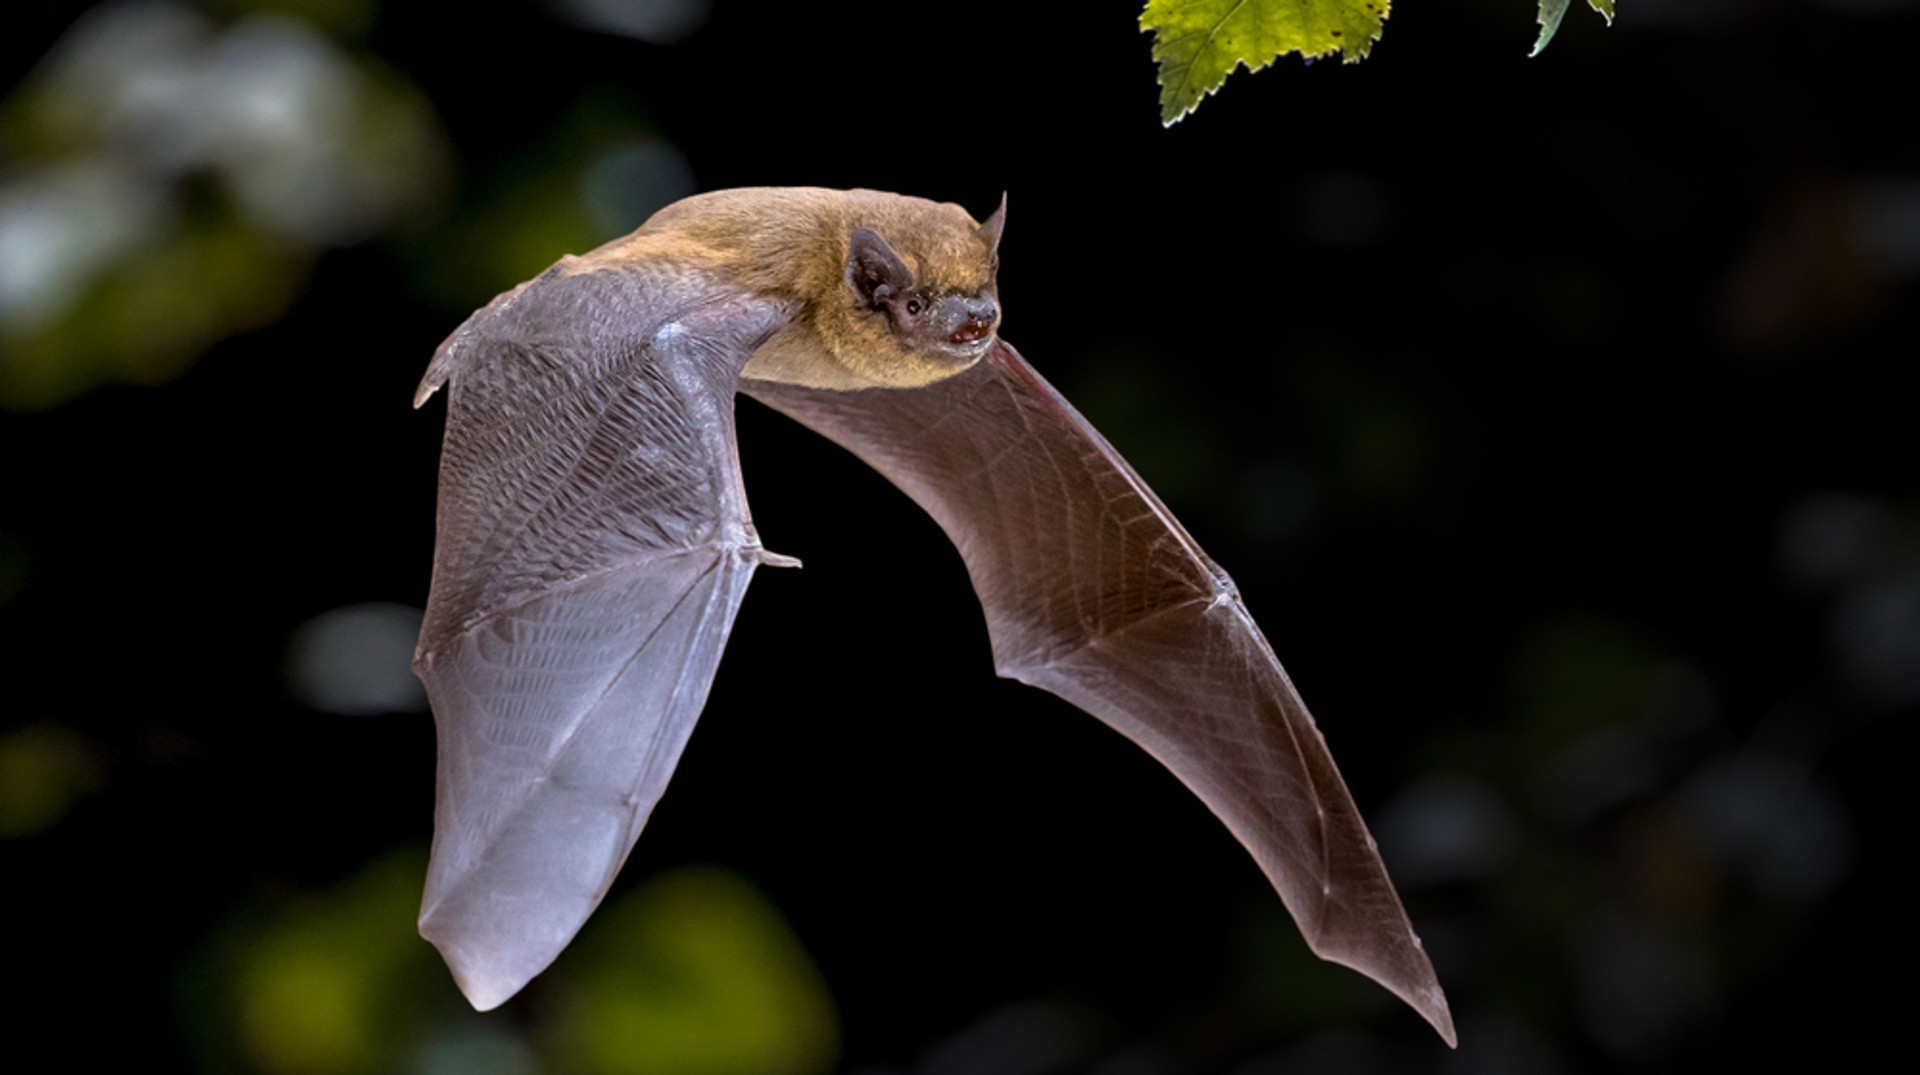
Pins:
x,y
329,985
44,770
358,661
694,973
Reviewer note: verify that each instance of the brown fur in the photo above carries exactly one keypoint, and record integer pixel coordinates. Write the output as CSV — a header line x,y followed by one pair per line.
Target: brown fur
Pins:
x,y
791,243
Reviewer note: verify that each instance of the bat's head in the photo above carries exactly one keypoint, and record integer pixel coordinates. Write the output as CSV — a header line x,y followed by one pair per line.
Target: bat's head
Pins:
x,y
947,322
908,296
920,295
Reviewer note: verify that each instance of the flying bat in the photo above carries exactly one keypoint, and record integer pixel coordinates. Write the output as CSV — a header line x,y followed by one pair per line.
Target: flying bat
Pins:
x,y
594,543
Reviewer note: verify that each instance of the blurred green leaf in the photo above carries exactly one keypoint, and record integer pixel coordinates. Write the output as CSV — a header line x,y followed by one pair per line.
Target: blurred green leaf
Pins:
x,y
345,19
130,254
152,312
560,196
44,769
509,237
695,973
1198,43
333,984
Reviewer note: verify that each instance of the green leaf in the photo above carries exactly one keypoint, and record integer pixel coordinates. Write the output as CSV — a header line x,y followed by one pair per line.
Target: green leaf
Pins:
x,y
1552,11
1198,43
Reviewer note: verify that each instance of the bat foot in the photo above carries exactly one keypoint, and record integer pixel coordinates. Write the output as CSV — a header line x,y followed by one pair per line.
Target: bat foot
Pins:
x,y
774,559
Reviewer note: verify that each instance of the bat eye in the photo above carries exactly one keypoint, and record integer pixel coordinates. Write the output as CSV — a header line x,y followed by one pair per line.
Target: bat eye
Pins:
x,y
913,306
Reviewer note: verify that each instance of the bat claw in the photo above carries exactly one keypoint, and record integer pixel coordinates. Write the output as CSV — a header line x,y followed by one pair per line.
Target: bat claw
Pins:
x,y
774,559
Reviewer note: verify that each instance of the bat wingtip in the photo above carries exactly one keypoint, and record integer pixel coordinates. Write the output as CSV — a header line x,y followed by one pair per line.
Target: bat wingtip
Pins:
x,y
482,982
488,974
1428,1000
1400,966
1425,996
1441,1017
485,999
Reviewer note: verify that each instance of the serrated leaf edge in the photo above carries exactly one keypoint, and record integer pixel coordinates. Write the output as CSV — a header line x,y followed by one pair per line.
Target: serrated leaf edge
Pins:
x,y
1552,11
1350,53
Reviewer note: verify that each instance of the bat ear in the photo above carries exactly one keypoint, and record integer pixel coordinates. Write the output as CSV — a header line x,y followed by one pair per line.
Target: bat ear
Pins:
x,y
990,231
873,269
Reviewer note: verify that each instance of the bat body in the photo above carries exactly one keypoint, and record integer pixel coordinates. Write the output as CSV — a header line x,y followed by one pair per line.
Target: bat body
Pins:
x,y
594,544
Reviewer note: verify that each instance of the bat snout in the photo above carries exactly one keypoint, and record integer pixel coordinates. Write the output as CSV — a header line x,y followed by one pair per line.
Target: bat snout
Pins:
x,y
975,320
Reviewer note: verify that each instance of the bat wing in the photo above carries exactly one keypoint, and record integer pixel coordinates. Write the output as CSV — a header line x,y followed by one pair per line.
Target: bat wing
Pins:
x,y
593,546
1093,591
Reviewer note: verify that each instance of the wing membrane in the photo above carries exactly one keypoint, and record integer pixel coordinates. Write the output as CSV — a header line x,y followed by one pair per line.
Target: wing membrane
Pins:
x,y
593,549
1094,592
559,725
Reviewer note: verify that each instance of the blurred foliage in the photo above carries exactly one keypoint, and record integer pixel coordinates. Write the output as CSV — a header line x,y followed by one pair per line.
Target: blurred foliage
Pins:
x,y
170,182
333,983
595,174
691,973
44,770
694,973
344,20
146,316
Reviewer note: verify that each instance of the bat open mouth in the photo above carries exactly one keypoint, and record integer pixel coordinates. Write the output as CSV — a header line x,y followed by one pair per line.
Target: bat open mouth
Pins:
x,y
973,331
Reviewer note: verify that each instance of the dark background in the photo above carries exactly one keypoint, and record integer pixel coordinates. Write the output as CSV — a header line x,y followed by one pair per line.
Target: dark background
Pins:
x,y
1556,417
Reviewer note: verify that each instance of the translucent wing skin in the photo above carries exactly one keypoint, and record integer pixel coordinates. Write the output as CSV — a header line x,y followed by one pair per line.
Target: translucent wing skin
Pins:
x,y
1094,592
593,546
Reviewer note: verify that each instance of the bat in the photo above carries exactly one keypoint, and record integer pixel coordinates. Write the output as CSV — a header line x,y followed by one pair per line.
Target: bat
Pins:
x,y
593,544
